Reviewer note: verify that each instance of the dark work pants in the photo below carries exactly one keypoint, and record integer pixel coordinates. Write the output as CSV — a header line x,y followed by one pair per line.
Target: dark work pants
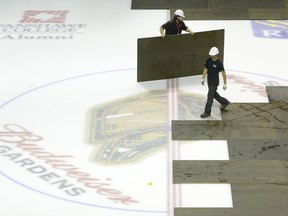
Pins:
x,y
212,93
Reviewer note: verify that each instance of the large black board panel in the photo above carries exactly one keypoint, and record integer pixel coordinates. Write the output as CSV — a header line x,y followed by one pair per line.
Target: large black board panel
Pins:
x,y
220,9
176,55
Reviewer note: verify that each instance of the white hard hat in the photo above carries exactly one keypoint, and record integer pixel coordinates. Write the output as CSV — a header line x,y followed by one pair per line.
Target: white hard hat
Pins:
x,y
179,13
213,51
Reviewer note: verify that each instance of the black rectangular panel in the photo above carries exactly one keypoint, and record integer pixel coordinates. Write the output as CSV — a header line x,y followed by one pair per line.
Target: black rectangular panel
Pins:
x,y
220,9
176,55
269,4
207,4
220,4
183,4
150,4
224,13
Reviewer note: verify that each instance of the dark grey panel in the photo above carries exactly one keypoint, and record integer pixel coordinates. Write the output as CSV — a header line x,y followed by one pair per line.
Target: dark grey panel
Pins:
x,y
167,4
183,4
227,4
176,55
268,112
225,130
220,9
150,4
266,4
277,93
238,13
232,171
258,149
232,4
268,14
224,13
248,200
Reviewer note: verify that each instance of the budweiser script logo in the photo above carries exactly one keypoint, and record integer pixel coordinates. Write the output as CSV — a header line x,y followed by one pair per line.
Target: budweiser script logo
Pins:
x,y
16,143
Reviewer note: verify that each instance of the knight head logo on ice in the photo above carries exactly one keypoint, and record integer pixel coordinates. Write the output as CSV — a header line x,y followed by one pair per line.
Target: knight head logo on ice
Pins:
x,y
45,16
275,29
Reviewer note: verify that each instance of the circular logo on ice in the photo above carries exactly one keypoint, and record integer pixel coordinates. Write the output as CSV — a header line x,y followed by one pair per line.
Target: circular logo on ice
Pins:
x,y
42,25
48,154
46,150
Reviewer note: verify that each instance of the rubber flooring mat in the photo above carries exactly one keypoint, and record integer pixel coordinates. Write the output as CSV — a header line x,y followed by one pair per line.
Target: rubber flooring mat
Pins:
x,y
232,171
221,9
252,130
263,122
240,121
258,149
277,94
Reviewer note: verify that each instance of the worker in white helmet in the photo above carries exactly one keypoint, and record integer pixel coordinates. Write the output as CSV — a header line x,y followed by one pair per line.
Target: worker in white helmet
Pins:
x,y
212,67
175,26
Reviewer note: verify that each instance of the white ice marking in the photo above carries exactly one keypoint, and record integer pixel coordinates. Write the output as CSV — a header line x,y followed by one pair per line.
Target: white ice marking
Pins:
x,y
119,115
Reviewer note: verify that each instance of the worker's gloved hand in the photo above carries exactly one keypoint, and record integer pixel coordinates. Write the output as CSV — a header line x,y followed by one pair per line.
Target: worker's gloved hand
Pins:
x,y
203,82
224,87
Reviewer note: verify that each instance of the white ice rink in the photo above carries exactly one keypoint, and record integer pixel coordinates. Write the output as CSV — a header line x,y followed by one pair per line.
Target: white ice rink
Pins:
x,y
74,56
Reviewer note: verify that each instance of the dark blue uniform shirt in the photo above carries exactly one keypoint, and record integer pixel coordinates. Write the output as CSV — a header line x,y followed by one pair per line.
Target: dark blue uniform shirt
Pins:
x,y
172,27
214,67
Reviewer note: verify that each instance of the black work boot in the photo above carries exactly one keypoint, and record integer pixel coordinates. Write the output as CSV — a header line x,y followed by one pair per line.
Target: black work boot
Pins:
x,y
223,106
205,115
